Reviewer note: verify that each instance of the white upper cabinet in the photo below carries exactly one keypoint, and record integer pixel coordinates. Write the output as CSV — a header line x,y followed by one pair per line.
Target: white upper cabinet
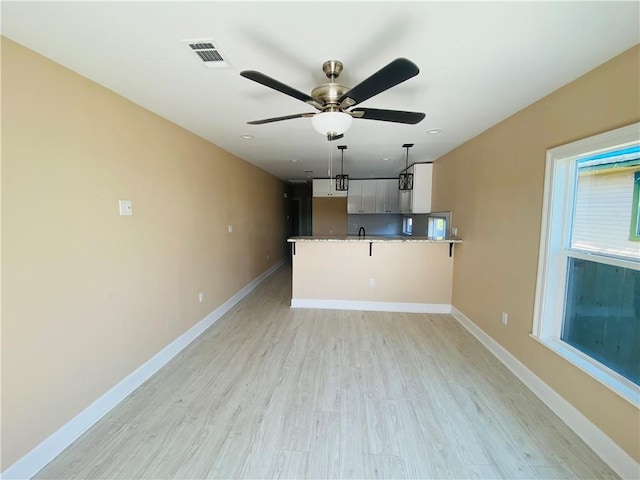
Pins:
x,y
383,195
387,196
373,196
368,197
418,200
326,187
362,196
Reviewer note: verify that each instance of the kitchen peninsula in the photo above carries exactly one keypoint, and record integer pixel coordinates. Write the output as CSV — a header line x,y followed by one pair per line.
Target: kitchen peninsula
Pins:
x,y
383,273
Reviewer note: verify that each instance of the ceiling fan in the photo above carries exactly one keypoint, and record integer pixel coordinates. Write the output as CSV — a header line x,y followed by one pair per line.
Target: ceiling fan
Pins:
x,y
334,100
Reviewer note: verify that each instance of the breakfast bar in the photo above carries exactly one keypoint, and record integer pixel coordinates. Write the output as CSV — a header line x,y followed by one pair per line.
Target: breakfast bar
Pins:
x,y
383,273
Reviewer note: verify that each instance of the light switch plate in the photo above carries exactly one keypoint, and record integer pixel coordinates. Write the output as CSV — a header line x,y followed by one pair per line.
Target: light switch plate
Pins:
x,y
126,207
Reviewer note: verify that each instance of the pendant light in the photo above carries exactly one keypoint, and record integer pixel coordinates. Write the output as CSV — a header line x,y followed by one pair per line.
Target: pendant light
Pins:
x,y
405,180
342,180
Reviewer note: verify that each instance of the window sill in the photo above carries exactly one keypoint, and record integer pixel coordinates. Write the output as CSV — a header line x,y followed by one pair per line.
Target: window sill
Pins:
x,y
610,379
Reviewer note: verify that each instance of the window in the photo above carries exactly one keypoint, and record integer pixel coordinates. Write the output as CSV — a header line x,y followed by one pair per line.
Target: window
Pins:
x,y
436,228
407,225
603,203
588,291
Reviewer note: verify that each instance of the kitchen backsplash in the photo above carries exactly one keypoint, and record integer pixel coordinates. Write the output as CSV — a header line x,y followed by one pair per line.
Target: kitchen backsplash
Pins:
x,y
384,224
374,224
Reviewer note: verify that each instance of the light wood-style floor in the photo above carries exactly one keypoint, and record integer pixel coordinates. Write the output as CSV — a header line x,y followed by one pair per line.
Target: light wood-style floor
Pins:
x,y
271,392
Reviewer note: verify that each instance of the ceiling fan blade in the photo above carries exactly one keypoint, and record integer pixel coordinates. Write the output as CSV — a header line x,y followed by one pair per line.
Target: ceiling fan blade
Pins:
x,y
396,72
397,116
267,81
277,119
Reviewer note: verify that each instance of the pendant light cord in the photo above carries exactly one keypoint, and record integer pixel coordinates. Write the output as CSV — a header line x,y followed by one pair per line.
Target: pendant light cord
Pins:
x,y
406,162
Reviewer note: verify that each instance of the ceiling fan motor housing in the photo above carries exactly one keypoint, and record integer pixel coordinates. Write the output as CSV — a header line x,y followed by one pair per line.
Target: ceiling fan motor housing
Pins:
x,y
329,93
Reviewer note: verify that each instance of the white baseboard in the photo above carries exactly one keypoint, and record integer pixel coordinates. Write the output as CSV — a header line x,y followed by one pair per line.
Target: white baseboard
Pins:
x,y
619,460
372,306
48,449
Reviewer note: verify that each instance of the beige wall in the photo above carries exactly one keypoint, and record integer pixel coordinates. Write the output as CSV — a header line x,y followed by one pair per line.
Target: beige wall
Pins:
x,y
494,184
88,296
403,272
329,216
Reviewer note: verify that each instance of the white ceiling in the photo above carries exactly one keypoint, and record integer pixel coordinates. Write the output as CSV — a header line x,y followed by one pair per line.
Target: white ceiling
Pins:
x,y
480,62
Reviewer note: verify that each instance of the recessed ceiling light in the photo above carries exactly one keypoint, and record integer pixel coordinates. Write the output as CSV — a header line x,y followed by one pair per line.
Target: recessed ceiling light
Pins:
x,y
433,131
246,136
386,159
294,161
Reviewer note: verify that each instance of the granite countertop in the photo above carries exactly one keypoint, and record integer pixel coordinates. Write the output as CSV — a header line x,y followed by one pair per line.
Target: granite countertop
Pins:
x,y
374,238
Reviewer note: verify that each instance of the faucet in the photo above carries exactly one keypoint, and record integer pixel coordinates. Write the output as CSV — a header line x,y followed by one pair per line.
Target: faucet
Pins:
x,y
361,232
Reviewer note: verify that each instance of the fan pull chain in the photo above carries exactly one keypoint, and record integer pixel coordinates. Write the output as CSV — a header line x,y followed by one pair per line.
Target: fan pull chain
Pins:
x,y
330,161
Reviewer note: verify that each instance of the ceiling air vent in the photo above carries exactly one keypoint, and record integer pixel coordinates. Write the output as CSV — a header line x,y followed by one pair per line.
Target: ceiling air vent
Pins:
x,y
207,53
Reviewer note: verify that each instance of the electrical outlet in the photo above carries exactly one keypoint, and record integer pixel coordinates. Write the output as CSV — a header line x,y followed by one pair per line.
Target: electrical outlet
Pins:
x,y
230,228
505,318
201,297
372,282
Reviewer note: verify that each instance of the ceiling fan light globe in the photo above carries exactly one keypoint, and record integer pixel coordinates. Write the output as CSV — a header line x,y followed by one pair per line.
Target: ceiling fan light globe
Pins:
x,y
331,123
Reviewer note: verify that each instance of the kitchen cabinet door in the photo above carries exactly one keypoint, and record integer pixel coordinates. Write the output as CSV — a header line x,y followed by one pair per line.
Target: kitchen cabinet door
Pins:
x,y
354,199
381,196
393,204
387,196
406,201
368,196
362,196
418,200
326,187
